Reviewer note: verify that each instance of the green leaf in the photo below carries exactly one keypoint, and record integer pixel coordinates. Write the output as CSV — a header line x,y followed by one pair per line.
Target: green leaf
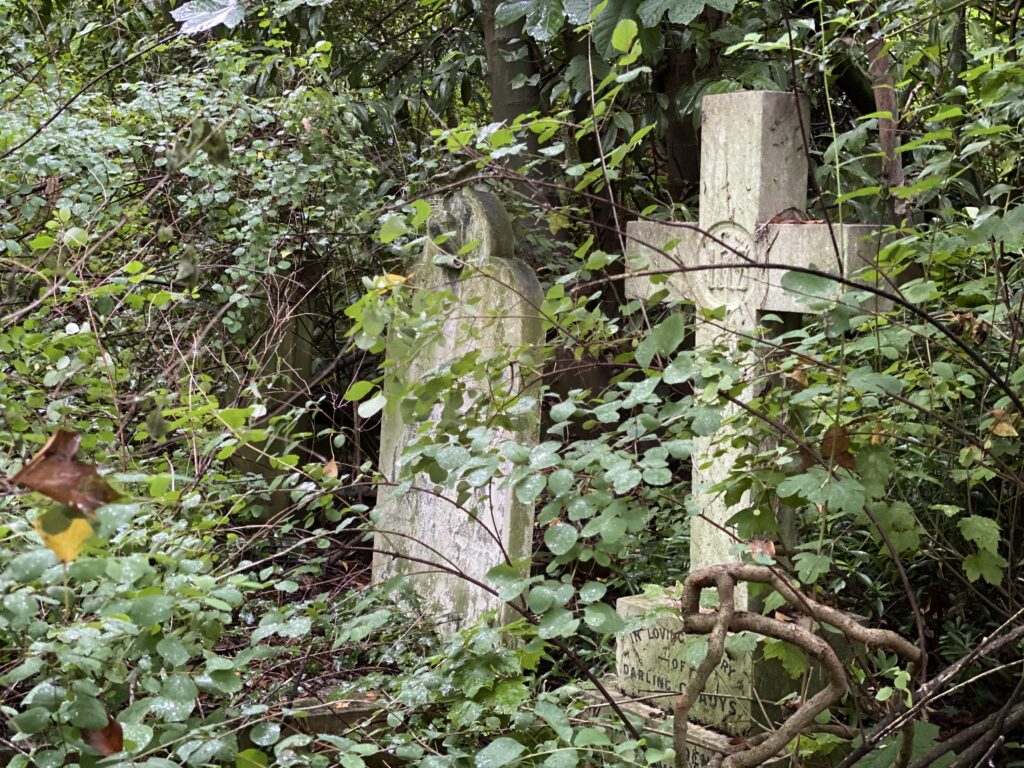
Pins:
x,y
556,718
251,758
266,733
357,390
680,370
510,11
234,418
530,488
509,581
592,591
372,406
985,565
624,35
793,659
561,481
739,644
173,651
579,11
75,237
500,752
544,19
33,720
28,668
602,618
808,287
200,15
557,622
693,650
562,758
606,22
983,531
560,538
87,712
422,212
865,380
392,228
810,566
149,610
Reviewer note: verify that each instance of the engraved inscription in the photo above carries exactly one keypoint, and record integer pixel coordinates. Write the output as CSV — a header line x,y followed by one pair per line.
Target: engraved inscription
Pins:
x,y
649,663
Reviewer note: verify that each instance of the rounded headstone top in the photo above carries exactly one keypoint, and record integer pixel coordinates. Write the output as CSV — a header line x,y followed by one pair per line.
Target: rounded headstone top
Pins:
x,y
471,216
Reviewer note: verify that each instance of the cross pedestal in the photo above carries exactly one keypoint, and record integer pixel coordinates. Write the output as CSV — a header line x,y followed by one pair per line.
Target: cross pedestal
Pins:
x,y
753,196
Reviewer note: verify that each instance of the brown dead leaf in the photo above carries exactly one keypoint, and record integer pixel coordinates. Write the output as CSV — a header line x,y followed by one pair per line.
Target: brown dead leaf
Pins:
x,y
762,547
835,447
331,469
107,741
54,472
797,375
1002,426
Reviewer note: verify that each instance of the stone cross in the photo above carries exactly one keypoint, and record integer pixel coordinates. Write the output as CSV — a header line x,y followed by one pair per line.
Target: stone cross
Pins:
x,y
753,198
494,309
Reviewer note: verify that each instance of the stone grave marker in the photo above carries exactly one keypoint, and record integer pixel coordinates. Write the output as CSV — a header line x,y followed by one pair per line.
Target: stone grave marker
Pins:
x,y
753,196
496,307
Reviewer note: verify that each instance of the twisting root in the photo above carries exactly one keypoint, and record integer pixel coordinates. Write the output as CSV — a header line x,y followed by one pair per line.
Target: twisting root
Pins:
x,y
728,619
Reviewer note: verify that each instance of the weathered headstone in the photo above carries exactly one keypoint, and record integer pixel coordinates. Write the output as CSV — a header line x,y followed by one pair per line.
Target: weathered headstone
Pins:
x,y
495,307
753,196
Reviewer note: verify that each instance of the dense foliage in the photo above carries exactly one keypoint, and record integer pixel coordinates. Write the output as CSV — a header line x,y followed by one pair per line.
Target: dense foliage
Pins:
x,y
210,209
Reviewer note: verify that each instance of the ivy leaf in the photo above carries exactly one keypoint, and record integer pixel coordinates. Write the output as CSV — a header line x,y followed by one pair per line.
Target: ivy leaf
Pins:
x,y
200,15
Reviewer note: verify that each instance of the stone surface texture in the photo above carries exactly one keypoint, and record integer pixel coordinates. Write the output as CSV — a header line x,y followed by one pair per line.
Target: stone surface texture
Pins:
x,y
494,307
753,198
740,695
753,168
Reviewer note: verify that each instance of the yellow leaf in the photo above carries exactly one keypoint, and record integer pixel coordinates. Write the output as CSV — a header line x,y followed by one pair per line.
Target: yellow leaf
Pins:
x,y
387,282
63,533
1004,429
